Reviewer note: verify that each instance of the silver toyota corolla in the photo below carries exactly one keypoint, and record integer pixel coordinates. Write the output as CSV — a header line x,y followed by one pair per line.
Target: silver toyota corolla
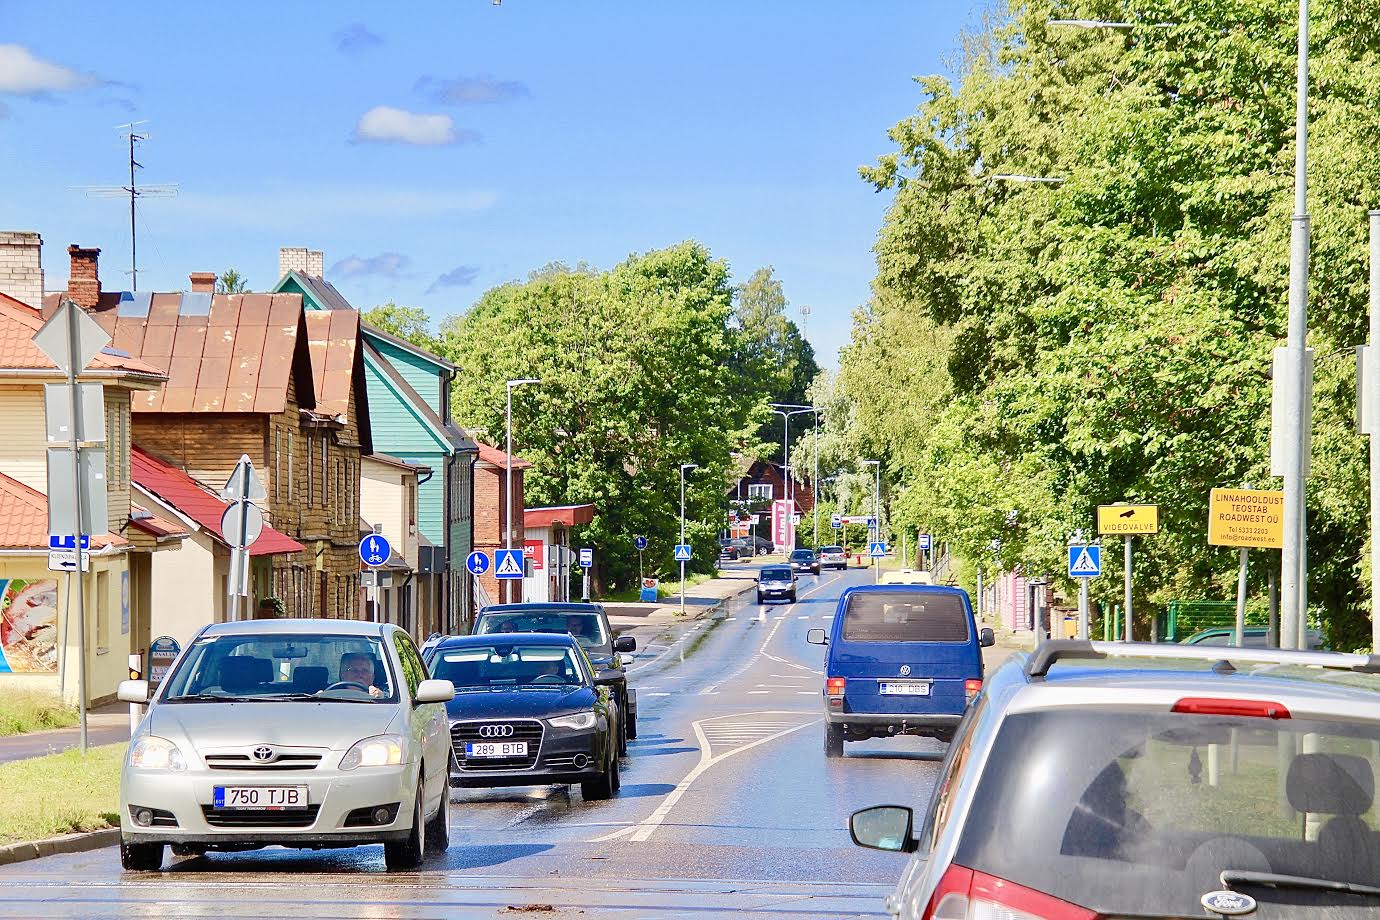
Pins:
x,y
299,733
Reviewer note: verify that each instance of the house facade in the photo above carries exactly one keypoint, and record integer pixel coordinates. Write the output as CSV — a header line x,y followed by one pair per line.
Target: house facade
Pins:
x,y
493,529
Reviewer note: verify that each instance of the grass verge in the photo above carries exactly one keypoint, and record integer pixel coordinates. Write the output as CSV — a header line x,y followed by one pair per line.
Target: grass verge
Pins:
x,y
30,711
60,794
667,588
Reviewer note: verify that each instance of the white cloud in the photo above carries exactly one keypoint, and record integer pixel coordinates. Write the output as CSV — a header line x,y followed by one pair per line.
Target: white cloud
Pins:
x,y
24,74
389,264
387,125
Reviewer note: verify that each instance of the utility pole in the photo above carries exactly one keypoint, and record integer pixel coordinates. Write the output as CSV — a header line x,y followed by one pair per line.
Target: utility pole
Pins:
x,y
1368,397
683,468
508,473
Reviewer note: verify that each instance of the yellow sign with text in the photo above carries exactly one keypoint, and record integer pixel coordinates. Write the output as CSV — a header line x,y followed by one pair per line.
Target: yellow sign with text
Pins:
x,y
1127,520
1251,518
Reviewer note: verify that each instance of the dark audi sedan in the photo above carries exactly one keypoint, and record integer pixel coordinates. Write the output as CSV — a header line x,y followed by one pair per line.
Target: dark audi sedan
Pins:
x,y
527,713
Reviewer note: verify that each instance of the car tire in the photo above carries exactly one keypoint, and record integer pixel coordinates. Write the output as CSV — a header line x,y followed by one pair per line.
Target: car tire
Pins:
x,y
793,597
438,828
141,857
408,854
833,740
603,787
760,601
761,551
622,731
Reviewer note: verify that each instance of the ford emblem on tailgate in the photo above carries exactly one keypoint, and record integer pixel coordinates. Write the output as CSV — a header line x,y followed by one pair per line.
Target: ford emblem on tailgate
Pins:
x,y
1228,903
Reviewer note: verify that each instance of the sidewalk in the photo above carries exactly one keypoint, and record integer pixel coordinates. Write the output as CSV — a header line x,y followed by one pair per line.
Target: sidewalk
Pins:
x,y
699,600
107,725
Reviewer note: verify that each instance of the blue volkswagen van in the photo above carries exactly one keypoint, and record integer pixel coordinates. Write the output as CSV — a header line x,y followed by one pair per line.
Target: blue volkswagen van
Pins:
x,y
901,660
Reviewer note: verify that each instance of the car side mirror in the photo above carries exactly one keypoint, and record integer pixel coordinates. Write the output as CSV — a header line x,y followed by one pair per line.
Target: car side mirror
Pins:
x,y
625,644
816,636
884,827
985,637
434,691
133,691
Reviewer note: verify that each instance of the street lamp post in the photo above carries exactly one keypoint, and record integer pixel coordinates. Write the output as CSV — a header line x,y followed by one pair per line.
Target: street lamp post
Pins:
x,y
508,465
876,516
786,410
683,468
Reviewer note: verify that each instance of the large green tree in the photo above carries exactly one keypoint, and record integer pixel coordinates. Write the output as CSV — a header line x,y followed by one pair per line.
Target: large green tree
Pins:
x,y
636,371
1099,327
772,354
409,323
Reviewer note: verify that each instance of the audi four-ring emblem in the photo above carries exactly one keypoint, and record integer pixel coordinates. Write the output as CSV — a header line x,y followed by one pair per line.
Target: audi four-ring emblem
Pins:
x,y
495,731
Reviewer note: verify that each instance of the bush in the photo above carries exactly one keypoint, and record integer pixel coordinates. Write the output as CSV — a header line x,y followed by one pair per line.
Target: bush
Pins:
x,y
32,711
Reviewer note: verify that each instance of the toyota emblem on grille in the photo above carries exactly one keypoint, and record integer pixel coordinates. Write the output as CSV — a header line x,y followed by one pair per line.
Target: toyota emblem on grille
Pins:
x,y
495,731
263,753
905,670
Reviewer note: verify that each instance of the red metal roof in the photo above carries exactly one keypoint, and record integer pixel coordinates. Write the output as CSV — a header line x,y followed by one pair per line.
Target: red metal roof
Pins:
x,y
19,322
498,458
569,515
333,338
24,519
152,524
174,487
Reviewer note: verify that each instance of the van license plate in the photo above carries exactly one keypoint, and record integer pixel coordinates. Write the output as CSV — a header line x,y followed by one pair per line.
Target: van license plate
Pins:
x,y
496,749
905,688
278,798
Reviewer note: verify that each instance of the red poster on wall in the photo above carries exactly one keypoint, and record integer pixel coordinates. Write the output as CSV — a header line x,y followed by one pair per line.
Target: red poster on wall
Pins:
x,y
782,526
536,551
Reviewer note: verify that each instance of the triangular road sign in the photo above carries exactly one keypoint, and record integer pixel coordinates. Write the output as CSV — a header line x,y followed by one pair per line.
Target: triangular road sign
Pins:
x,y
508,563
1085,563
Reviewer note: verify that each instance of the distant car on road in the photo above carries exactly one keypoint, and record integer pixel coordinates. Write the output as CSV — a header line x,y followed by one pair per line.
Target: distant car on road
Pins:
x,y
759,546
295,733
776,582
833,557
907,577
902,660
805,560
589,624
1098,779
732,552
1253,637
528,713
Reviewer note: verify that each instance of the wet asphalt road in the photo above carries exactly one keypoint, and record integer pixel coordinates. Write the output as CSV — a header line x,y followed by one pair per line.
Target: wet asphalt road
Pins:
x,y
728,808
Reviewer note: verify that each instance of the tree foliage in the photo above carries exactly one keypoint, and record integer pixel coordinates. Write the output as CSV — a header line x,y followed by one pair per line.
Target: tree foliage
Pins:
x,y
231,282
1034,349
637,377
409,323
771,352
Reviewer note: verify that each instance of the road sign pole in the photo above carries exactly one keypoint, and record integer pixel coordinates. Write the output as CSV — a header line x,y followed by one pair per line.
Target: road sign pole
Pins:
x,y
1083,613
77,577
1374,436
1241,600
1128,590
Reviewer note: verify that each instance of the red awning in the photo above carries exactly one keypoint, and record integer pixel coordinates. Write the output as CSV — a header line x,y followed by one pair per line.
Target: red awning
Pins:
x,y
569,515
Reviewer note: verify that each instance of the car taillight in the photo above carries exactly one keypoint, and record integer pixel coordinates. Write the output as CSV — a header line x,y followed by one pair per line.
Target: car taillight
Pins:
x,y
1212,706
971,688
963,894
834,686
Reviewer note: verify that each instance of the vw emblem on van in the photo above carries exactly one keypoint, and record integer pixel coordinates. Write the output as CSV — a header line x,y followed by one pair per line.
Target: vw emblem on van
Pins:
x,y
263,753
905,670
495,731
1228,903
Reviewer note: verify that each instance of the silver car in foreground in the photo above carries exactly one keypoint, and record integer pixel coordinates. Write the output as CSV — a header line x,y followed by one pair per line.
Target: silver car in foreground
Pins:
x,y
1109,780
298,733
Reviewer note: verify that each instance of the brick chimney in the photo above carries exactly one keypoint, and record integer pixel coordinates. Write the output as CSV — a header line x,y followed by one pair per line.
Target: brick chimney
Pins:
x,y
84,281
203,282
21,266
309,262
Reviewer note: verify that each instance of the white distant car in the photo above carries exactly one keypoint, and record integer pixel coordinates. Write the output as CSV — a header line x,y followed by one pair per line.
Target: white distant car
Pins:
x,y
833,557
907,577
297,733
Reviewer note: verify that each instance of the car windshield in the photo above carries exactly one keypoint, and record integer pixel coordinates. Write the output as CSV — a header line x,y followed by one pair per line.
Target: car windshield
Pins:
x,y
587,628
504,665
1139,813
905,616
802,555
833,550
280,668
776,573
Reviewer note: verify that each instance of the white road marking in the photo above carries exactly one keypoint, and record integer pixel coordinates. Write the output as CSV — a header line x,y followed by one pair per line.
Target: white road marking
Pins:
x,y
804,617
754,692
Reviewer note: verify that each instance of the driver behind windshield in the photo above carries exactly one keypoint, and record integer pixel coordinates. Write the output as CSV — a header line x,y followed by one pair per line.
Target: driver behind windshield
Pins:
x,y
358,668
576,626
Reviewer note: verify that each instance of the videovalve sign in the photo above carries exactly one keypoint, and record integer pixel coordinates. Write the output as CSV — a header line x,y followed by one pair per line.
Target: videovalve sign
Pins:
x,y
1250,518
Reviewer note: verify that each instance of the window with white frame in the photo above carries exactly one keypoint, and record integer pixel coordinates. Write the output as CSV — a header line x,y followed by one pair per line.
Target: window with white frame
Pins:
x,y
759,491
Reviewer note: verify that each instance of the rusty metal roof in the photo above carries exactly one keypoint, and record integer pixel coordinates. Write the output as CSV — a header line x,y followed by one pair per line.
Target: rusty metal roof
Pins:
x,y
333,339
19,322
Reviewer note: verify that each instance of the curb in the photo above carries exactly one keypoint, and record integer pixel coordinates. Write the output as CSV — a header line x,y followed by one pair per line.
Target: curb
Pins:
x,y
53,846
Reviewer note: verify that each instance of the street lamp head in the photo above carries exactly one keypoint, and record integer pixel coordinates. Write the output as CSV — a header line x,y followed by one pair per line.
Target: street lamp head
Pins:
x,y
522,380
870,462
689,466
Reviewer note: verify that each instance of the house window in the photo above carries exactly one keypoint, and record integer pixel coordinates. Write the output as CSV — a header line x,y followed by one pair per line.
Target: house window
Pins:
x,y
277,465
325,479
311,478
759,491
102,612
291,486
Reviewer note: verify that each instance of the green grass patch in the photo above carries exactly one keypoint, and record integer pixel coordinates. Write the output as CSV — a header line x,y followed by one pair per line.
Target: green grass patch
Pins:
x,y
61,793
32,711
667,588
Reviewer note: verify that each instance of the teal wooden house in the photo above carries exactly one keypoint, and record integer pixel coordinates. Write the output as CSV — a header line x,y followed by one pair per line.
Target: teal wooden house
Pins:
x,y
409,406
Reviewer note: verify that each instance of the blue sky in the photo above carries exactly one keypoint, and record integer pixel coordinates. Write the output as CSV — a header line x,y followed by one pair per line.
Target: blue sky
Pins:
x,y
435,154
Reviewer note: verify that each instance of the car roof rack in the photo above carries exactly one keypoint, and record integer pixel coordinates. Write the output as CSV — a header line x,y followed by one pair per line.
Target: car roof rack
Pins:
x,y
1047,653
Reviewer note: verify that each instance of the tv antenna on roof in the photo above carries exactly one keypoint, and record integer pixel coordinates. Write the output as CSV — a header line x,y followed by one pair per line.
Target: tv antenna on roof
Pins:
x,y
805,312
135,192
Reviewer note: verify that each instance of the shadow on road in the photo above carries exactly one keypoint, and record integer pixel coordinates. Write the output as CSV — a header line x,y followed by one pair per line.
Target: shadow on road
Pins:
x,y
928,756
636,790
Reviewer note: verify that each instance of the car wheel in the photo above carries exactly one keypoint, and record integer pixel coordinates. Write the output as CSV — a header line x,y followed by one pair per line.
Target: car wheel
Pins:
x,y
761,551
604,786
141,857
759,598
833,740
630,725
438,828
408,854
792,597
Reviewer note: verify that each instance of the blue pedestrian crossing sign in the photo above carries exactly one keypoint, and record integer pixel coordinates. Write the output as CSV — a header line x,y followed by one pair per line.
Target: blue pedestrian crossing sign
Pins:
x,y
374,549
477,563
507,563
923,540
876,549
1085,561
682,552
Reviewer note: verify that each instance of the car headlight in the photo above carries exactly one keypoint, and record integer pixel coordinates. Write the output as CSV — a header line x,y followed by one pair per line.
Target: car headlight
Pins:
x,y
580,720
153,753
378,751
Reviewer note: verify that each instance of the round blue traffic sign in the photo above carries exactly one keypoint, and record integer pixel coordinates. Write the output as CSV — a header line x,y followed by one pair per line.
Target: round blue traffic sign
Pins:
x,y
477,563
640,543
374,549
